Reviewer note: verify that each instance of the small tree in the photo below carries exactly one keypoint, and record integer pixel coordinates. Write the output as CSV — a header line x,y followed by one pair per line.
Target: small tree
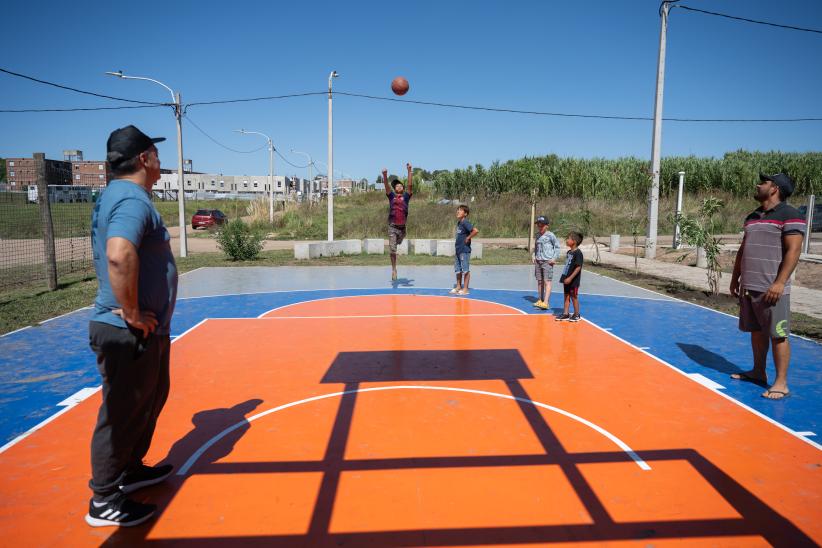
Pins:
x,y
700,231
239,241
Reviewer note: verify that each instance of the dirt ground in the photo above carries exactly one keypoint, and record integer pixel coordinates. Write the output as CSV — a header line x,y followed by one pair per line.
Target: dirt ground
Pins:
x,y
808,274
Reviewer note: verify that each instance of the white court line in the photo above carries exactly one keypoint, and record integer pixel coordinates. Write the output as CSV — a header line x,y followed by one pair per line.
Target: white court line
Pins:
x,y
618,442
705,381
64,315
727,397
806,433
66,405
383,295
15,331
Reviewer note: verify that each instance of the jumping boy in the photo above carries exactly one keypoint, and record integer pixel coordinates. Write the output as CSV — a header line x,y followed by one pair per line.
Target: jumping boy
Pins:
x,y
462,250
398,201
546,250
571,275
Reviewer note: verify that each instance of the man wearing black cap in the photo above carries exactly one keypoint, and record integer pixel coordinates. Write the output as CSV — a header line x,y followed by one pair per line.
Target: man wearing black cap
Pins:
x,y
762,279
129,329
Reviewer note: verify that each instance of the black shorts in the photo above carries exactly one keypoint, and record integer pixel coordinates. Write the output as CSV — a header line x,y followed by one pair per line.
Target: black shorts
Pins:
x,y
572,290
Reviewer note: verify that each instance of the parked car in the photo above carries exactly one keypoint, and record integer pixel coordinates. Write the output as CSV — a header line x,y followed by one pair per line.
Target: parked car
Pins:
x,y
816,223
205,218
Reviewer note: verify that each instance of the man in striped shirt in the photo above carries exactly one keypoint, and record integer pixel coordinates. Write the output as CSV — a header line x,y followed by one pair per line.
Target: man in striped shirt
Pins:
x,y
762,279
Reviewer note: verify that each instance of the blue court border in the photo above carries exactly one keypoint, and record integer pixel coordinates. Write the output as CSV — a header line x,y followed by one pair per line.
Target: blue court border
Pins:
x,y
42,366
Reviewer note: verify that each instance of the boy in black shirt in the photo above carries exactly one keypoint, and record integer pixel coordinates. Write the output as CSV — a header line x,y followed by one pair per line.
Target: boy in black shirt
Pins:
x,y
571,275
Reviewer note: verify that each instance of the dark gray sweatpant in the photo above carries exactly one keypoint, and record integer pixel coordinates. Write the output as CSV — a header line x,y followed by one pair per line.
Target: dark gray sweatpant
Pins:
x,y
135,388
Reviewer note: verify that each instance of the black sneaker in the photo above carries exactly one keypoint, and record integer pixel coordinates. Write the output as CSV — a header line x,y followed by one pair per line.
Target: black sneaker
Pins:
x,y
562,318
119,511
574,318
145,476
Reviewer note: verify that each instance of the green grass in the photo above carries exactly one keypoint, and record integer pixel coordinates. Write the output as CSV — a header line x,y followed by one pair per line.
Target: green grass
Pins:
x,y
504,216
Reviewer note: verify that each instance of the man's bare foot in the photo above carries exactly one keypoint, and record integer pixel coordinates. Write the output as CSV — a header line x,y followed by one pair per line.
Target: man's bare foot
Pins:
x,y
776,393
751,376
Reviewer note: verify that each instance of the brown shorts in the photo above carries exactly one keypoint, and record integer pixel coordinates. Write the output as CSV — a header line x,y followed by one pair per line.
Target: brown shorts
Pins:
x,y
396,234
755,315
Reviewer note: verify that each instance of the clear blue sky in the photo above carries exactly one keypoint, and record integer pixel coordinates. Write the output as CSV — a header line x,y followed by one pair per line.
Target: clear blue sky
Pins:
x,y
592,57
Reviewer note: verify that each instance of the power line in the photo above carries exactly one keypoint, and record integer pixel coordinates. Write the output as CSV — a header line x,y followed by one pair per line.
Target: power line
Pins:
x,y
790,27
268,98
39,81
572,115
215,141
289,163
77,109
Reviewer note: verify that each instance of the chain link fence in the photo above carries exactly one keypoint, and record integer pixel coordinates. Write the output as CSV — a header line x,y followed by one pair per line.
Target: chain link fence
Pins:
x,y
24,241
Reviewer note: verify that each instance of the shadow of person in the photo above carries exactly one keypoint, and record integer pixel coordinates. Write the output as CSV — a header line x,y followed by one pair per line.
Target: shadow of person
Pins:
x,y
207,424
530,298
402,282
711,360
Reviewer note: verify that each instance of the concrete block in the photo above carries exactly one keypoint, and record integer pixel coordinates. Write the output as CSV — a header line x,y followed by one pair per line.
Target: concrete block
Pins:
x,y
374,246
425,247
351,247
315,250
301,251
476,250
402,249
445,248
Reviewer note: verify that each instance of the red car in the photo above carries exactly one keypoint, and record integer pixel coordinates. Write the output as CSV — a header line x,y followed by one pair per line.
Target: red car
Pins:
x,y
205,218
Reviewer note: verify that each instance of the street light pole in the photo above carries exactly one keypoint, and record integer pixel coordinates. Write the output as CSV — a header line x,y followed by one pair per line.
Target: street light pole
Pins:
x,y
178,114
330,161
310,165
270,172
656,139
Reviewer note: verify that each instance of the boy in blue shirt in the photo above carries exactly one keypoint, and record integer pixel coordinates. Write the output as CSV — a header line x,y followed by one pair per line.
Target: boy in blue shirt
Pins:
x,y
571,275
462,250
546,250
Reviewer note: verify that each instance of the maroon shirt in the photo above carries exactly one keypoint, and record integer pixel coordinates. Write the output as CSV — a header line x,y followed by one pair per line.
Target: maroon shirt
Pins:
x,y
398,208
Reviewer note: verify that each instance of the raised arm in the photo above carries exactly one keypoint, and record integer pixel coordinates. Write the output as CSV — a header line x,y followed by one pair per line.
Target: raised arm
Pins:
x,y
410,177
385,181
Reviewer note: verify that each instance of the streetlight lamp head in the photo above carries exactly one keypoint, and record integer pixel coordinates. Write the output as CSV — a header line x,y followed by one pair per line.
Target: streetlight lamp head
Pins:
x,y
118,74
239,130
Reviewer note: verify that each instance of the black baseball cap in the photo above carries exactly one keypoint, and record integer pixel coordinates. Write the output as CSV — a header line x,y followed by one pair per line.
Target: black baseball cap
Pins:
x,y
541,220
781,180
126,143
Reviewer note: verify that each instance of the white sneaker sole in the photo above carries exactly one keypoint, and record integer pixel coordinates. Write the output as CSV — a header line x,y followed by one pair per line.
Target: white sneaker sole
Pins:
x,y
102,522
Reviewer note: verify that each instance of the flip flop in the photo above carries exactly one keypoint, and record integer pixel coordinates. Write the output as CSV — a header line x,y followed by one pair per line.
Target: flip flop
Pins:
x,y
784,394
747,378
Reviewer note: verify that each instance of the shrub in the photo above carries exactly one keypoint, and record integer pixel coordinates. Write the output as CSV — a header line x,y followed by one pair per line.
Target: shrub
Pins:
x,y
239,241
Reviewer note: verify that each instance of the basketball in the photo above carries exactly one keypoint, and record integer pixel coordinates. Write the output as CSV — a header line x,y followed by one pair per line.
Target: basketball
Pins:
x,y
399,85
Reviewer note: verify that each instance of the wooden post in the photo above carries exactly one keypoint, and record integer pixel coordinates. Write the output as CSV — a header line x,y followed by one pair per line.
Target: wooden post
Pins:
x,y
533,218
45,220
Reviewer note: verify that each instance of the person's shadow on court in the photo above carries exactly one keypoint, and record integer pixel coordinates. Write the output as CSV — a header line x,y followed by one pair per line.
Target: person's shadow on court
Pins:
x,y
712,360
402,282
207,424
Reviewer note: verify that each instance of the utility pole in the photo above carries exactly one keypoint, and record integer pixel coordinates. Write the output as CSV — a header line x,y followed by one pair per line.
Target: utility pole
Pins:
x,y
181,198
656,140
330,161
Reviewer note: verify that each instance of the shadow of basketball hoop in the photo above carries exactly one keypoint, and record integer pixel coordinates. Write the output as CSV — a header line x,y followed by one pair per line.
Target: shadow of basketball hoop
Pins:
x,y
507,366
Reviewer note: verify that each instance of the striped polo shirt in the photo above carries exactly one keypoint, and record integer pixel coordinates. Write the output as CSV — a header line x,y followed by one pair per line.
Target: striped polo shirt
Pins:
x,y
763,244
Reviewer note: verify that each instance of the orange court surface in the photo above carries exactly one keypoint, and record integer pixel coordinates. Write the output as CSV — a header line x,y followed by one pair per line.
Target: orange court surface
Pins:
x,y
405,419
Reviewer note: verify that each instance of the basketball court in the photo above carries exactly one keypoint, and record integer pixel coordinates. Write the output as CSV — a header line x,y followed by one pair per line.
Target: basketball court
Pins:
x,y
329,406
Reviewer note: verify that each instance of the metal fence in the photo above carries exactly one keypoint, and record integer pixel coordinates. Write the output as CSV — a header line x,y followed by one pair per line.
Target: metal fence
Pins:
x,y
25,245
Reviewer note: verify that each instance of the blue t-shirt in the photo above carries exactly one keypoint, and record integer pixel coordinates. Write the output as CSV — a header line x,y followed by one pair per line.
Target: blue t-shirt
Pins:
x,y
464,228
125,210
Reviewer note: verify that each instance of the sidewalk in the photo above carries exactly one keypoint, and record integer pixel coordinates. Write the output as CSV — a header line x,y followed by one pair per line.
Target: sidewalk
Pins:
x,y
804,300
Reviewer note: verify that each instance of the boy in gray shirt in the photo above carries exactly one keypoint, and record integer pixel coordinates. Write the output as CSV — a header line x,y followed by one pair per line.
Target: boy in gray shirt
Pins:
x,y
546,250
